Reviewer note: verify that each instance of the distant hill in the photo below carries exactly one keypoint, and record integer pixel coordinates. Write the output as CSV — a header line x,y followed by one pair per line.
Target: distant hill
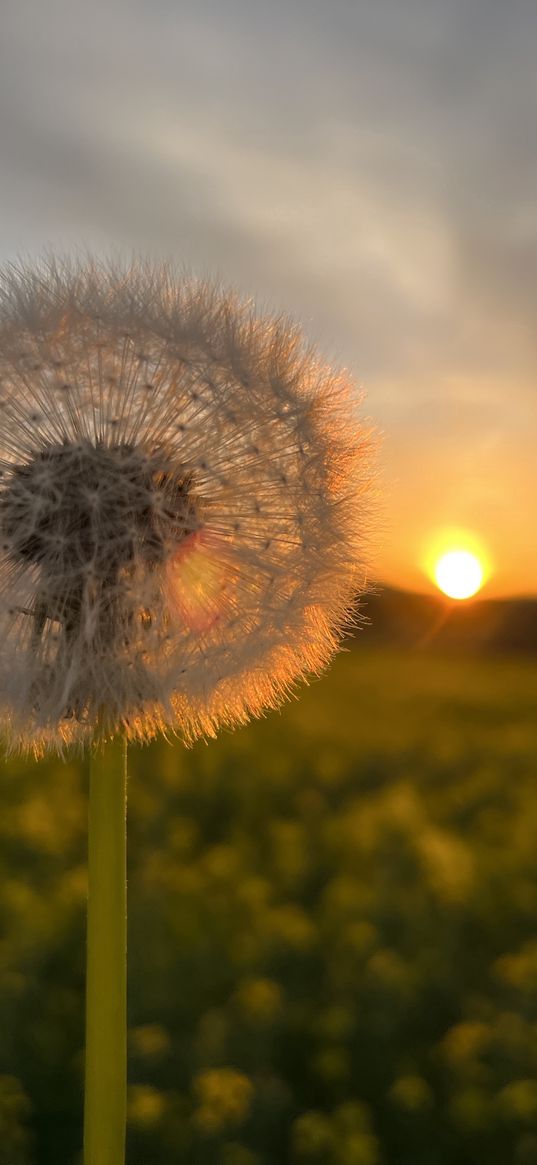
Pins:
x,y
427,621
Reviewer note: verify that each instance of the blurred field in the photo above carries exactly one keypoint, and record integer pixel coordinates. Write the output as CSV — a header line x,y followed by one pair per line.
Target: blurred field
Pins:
x,y
333,940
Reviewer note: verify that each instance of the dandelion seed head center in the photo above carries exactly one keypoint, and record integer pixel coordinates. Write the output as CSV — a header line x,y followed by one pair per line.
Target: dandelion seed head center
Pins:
x,y
79,508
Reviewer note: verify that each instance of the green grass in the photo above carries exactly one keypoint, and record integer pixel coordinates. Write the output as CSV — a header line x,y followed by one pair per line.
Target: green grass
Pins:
x,y
333,941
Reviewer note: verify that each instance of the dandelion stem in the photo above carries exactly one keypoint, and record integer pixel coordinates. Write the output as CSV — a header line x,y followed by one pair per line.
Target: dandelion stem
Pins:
x,y
106,982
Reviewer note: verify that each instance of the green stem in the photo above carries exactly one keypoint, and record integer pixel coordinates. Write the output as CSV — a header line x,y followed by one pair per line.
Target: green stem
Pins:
x,y
106,980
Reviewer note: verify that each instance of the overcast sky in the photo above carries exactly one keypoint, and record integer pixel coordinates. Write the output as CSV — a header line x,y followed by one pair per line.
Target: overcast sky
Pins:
x,y
368,165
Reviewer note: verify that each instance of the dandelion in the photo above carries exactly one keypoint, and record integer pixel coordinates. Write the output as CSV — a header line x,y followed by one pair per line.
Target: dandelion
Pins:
x,y
181,519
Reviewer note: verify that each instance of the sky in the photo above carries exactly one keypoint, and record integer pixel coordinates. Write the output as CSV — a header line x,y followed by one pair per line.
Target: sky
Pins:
x,y
367,166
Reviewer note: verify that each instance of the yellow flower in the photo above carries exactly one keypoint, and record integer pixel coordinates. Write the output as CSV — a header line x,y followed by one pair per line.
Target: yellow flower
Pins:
x,y
224,1096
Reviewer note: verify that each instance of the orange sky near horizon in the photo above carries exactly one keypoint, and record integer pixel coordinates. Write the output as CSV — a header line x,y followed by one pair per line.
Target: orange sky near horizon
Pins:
x,y
429,501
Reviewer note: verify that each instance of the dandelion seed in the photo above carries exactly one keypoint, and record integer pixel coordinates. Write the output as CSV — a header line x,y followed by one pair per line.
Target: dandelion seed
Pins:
x,y
181,505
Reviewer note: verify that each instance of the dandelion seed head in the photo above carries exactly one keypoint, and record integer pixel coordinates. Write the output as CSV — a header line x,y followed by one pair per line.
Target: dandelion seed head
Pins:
x,y
183,508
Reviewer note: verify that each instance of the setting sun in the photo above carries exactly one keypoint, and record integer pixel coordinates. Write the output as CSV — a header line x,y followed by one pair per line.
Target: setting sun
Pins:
x,y
459,574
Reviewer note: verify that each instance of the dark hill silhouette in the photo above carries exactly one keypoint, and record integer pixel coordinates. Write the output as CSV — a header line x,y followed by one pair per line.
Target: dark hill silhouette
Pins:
x,y
427,621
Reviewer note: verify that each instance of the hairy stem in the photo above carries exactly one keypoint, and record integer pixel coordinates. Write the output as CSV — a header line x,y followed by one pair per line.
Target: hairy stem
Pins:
x,y
106,981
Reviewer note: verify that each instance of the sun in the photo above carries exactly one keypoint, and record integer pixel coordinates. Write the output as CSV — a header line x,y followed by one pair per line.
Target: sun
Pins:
x,y
459,574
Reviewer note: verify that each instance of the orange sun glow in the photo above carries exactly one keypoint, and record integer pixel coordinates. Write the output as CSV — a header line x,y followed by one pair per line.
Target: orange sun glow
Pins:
x,y
459,574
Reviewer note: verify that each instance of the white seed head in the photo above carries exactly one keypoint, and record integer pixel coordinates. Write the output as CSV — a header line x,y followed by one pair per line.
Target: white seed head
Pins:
x,y
181,505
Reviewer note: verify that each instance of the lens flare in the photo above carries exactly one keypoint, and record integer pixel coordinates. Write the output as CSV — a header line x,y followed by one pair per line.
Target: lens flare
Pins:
x,y
199,589
459,574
